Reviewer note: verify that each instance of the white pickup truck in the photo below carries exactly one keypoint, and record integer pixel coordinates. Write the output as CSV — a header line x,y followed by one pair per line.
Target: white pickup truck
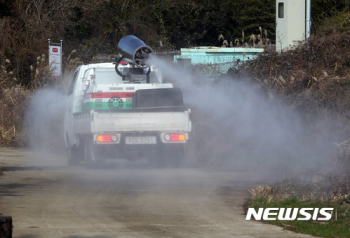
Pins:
x,y
111,116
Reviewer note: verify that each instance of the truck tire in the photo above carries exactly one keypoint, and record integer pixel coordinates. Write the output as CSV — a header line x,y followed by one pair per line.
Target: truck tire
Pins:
x,y
91,158
73,154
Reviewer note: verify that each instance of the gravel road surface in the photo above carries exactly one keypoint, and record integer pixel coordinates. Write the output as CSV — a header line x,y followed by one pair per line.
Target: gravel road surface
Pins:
x,y
48,199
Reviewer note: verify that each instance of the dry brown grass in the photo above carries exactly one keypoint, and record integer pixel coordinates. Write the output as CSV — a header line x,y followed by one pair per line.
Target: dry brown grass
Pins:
x,y
313,78
303,191
331,184
263,191
15,98
308,64
14,102
260,39
41,75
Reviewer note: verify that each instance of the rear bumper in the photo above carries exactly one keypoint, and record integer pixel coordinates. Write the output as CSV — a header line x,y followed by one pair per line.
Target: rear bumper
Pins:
x,y
135,152
122,138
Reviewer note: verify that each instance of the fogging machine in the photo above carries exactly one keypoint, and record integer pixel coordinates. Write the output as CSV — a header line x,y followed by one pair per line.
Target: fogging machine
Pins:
x,y
135,52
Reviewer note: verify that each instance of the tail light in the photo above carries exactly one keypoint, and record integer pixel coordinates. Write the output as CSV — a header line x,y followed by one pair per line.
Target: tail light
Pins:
x,y
107,138
174,137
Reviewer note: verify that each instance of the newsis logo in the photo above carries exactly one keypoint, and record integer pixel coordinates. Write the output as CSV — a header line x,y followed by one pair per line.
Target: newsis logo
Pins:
x,y
286,214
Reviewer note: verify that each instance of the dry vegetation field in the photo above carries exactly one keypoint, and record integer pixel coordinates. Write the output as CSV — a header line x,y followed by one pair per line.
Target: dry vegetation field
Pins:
x,y
313,80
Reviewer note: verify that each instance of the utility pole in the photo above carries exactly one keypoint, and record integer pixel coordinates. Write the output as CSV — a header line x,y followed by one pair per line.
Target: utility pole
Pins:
x,y
308,19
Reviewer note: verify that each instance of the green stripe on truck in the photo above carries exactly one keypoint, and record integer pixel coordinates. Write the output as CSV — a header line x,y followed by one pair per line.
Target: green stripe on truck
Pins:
x,y
106,105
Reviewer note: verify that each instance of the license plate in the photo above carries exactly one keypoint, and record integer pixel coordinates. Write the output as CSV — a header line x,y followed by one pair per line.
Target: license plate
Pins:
x,y
140,140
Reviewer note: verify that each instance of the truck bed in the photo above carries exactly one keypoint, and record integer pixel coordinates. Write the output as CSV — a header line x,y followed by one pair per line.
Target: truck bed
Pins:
x,y
131,121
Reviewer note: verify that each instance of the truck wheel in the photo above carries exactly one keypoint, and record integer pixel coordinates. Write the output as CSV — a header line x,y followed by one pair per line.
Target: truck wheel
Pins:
x,y
73,154
90,155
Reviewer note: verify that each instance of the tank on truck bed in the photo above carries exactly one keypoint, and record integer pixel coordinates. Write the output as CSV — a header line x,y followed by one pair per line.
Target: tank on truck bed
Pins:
x,y
124,110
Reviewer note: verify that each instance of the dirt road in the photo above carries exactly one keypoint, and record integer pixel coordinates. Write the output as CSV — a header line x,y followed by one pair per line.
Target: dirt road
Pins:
x,y
48,199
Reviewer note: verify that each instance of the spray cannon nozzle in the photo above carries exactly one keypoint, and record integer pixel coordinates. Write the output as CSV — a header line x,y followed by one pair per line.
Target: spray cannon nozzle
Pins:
x,y
143,56
134,51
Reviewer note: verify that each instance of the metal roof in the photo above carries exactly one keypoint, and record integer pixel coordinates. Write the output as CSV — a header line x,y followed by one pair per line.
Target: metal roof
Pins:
x,y
213,49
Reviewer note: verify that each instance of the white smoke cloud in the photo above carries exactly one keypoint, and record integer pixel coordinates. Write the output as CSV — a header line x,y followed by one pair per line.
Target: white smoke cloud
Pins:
x,y
44,121
245,127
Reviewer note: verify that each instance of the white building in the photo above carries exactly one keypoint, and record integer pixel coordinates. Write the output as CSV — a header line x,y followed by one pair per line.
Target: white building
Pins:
x,y
290,23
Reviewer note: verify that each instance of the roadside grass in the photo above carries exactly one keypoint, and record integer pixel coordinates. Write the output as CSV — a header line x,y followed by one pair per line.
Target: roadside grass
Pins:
x,y
337,227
